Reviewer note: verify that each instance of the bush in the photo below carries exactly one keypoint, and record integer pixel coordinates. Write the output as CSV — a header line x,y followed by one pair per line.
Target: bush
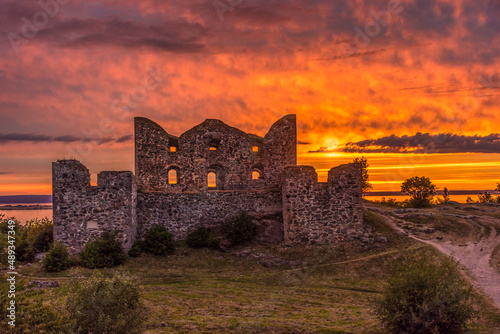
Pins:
x,y
202,237
105,305
198,237
103,252
136,249
486,197
57,258
239,229
213,241
158,241
24,252
424,297
40,234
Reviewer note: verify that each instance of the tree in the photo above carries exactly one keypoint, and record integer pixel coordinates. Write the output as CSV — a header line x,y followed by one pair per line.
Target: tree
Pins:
x,y
420,189
486,197
498,187
367,186
469,200
446,195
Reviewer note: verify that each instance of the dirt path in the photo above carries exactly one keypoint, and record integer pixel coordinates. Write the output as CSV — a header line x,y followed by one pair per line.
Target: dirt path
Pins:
x,y
475,256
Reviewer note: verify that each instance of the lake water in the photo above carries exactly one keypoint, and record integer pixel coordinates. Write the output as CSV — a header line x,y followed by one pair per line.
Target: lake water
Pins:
x,y
24,215
399,198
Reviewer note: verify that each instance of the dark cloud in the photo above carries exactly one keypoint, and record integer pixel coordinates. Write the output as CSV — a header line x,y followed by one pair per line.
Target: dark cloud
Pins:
x,y
24,137
124,139
352,52
422,143
37,138
5,173
177,37
300,142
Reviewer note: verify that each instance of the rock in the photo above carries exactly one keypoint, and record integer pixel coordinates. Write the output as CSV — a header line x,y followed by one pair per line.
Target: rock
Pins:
x,y
402,233
225,246
427,230
269,231
43,284
293,263
245,252
361,249
268,264
398,211
382,240
39,256
470,208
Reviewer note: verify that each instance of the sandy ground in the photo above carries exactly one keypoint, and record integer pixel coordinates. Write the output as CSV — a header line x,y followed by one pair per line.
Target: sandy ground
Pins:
x,y
473,255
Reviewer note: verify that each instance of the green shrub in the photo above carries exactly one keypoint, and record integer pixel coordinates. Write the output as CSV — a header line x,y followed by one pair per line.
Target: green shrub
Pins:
x,y
35,236
57,258
424,297
198,237
106,305
239,229
24,251
202,237
136,249
158,241
213,241
40,234
104,251
486,197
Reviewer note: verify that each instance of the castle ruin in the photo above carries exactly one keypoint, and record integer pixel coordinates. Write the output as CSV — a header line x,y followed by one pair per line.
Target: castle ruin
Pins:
x,y
203,177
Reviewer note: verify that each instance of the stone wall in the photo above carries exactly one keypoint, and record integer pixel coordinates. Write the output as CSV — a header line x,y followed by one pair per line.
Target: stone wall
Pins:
x,y
183,212
82,211
286,201
321,213
212,146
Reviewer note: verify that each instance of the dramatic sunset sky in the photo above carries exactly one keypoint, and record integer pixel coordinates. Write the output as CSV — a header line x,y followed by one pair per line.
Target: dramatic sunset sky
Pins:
x,y
411,85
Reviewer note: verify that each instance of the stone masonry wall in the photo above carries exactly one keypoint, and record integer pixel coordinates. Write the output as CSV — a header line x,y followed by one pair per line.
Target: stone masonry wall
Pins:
x,y
212,146
286,201
321,213
183,212
81,211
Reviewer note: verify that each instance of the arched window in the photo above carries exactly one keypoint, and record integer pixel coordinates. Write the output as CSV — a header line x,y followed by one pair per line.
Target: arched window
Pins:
x,y
255,175
172,176
212,180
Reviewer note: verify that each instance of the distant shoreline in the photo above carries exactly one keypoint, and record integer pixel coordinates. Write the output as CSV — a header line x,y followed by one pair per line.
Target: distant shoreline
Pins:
x,y
26,199
439,193
25,207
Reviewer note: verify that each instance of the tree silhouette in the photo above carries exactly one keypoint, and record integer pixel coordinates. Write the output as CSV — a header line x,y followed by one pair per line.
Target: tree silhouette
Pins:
x,y
367,186
420,189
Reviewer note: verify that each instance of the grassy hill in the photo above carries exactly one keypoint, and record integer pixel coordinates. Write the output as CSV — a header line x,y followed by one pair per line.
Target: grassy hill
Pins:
x,y
270,289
